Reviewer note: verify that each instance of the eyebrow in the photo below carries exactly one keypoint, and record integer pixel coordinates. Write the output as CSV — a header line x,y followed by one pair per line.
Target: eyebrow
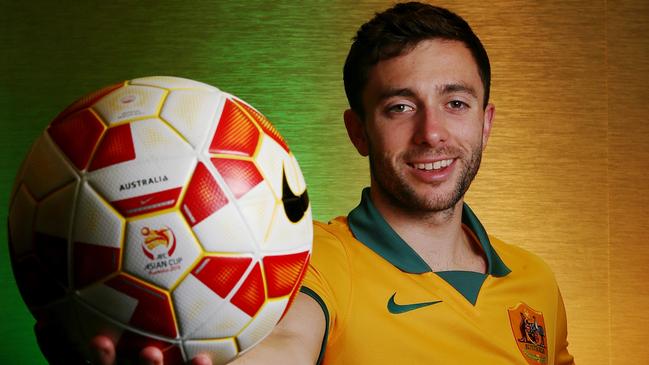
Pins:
x,y
457,87
442,90
396,92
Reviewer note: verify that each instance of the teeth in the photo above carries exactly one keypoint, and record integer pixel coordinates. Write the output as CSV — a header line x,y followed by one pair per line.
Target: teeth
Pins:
x,y
433,165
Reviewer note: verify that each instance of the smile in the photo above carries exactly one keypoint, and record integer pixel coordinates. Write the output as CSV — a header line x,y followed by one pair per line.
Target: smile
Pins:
x,y
437,165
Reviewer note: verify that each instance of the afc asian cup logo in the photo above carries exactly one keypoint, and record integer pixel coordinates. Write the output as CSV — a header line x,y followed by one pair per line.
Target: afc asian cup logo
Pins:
x,y
159,245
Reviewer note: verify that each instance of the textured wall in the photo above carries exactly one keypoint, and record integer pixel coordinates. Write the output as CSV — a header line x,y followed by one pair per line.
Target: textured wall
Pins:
x,y
628,178
564,175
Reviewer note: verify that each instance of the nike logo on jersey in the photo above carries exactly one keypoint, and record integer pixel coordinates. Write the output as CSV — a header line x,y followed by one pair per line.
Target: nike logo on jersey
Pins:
x,y
395,308
294,206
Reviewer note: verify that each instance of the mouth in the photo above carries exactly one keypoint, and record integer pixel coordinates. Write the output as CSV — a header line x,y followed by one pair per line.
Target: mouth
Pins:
x,y
433,165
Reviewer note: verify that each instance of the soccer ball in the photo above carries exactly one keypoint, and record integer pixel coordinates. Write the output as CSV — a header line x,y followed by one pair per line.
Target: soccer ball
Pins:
x,y
164,212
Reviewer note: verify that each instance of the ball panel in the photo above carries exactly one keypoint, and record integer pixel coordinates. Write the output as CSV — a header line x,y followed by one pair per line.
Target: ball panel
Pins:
x,y
241,176
264,123
110,302
141,179
192,113
257,208
95,222
220,351
159,249
204,196
154,140
195,303
21,219
86,101
148,203
77,136
235,133
93,262
221,273
285,235
282,272
294,175
130,102
225,231
116,147
262,324
171,82
228,321
52,254
270,160
44,159
298,284
38,287
54,212
251,295
153,312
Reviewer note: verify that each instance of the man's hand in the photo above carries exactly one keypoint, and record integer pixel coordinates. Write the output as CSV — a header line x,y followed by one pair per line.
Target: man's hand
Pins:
x,y
58,351
104,354
296,340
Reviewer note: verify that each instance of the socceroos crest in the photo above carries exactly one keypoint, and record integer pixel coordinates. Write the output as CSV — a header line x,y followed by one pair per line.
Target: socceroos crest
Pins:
x,y
530,333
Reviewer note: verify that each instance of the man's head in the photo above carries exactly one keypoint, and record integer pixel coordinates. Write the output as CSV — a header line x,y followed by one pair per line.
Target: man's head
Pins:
x,y
419,109
396,31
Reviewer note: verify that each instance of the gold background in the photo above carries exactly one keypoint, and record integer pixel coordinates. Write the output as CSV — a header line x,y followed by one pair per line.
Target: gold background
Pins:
x,y
565,174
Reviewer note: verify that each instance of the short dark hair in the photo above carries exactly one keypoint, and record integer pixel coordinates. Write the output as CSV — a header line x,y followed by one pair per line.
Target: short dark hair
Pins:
x,y
398,30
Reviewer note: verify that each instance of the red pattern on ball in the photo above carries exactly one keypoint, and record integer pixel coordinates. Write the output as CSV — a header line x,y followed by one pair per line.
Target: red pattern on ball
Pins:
x,y
204,196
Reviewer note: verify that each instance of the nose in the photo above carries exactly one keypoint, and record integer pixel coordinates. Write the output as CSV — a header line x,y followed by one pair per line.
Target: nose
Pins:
x,y
431,128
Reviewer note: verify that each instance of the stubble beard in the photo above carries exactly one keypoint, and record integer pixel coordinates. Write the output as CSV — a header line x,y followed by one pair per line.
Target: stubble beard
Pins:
x,y
401,194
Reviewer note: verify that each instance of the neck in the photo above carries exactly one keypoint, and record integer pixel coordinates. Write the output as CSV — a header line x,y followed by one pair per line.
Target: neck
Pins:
x,y
437,237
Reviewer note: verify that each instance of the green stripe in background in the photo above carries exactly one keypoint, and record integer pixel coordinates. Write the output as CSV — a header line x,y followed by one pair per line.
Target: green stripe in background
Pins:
x,y
283,57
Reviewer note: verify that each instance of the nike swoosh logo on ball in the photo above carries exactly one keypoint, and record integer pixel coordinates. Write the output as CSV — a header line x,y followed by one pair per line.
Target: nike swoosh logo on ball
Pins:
x,y
294,206
395,308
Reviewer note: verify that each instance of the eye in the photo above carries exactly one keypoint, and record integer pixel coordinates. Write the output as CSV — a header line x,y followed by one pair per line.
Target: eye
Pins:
x,y
400,108
457,104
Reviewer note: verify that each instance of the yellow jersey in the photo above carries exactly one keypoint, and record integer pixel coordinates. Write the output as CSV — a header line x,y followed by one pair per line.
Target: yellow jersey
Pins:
x,y
383,304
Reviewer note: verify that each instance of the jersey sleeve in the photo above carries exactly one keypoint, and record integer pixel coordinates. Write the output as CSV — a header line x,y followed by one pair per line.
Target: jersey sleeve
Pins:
x,y
328,278
562,357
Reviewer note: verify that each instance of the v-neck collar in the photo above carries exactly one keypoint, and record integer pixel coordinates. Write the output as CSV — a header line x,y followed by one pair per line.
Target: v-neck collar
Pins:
x,y
370,228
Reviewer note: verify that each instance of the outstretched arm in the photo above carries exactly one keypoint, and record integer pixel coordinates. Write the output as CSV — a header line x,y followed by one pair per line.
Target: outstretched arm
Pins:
x,y
297,339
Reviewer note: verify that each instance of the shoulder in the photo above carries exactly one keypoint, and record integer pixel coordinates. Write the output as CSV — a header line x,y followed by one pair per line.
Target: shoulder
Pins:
x,y
333,233
524,263
330,241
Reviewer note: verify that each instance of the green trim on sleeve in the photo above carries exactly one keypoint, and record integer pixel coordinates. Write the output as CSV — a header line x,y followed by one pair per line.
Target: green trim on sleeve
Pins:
x,y
317,298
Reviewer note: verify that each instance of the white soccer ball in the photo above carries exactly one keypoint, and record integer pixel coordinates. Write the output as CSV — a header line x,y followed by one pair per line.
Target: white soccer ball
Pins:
x,y
161,211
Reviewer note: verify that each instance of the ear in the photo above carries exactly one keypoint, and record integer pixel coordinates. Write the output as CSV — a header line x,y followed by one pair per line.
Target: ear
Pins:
x,y
356,131
489,114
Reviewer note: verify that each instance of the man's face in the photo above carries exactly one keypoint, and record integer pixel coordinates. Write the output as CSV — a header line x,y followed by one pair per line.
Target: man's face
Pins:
x,y
425,125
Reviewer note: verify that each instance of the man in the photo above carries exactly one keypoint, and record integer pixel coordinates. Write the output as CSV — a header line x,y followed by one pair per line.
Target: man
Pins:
x,y
410,275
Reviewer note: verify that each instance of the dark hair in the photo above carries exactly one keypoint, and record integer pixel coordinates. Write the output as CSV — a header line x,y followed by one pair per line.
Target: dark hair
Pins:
x,y
398,30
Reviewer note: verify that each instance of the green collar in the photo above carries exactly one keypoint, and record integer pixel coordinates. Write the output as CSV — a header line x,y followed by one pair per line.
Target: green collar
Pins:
x,y
370,228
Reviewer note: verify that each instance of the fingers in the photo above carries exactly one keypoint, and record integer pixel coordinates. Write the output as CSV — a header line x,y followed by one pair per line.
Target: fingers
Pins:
x,y
151,356
103,350
201,360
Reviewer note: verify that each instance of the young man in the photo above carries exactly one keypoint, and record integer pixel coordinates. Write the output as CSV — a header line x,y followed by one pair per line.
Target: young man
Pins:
x,y
410,275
